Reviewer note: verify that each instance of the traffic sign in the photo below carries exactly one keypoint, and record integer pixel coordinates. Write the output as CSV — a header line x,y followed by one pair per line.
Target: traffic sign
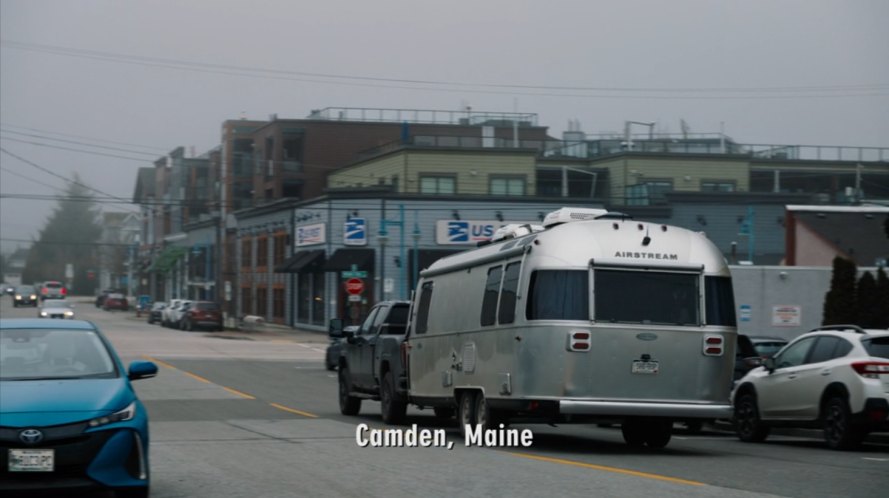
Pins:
x,y
354,286
354,274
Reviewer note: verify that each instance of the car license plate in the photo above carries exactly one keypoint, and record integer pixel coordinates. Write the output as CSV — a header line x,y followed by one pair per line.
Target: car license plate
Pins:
x,y
31,460
645,367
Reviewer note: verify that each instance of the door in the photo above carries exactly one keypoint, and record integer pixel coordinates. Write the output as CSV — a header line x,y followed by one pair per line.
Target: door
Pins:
x,y
368,361
779,392
360,349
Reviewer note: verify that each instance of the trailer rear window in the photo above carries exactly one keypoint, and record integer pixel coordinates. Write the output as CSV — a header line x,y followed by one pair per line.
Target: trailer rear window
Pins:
x,y
559,295
720,301
627,296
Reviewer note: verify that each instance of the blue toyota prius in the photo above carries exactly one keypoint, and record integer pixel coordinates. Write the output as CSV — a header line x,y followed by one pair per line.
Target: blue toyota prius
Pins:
x,y
69,417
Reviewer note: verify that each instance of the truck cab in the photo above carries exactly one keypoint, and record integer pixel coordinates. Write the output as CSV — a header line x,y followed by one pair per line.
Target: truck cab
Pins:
x,y
370,363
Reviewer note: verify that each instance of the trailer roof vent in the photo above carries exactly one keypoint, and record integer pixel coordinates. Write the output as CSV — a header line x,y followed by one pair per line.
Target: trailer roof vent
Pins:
x,y
569,214
514,231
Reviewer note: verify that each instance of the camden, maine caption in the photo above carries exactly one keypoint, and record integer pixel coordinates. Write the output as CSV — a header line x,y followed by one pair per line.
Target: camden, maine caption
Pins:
x,y
414,437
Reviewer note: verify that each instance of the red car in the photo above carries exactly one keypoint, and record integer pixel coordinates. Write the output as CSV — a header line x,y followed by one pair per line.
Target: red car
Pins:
x,y
202,314
116,302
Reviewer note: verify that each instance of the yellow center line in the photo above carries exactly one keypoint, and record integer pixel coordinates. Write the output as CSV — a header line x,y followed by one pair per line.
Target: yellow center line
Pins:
x,y
603,468
233,391
239,393
293,410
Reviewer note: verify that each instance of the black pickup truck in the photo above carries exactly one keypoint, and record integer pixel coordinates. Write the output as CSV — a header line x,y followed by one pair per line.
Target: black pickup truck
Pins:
x,y
371,361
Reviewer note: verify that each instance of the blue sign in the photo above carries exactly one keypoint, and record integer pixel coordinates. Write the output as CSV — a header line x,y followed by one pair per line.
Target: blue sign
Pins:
x,y
456,232
355,232
745,312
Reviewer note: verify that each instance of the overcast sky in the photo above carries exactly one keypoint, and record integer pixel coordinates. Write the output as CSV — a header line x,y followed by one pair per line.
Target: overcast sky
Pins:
x,y
137,79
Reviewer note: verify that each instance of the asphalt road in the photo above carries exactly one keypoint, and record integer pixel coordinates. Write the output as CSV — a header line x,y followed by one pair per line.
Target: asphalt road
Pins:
x,y
256,415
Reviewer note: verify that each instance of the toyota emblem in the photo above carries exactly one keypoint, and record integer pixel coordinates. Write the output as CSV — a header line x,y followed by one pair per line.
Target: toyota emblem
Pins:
x,y
31,436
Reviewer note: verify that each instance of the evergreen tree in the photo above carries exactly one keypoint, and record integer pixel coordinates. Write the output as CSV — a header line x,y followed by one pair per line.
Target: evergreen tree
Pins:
x,y
839,303
868,301
882,299
70,236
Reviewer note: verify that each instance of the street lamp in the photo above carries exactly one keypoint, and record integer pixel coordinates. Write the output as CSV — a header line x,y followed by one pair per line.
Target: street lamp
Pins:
x,y
416,236
383,236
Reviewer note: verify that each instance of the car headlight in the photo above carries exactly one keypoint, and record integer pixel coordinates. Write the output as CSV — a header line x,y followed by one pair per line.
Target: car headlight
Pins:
x,y
69,313
18,297
126,414
43,313
33,296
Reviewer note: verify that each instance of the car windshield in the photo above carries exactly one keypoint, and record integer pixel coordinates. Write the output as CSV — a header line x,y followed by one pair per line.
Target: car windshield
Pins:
x,y
25,290
35,354
158,306
877,346
207,306
768,348
56,303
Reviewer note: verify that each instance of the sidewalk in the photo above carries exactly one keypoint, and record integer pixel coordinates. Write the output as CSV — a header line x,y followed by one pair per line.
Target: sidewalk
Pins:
x,y
263,332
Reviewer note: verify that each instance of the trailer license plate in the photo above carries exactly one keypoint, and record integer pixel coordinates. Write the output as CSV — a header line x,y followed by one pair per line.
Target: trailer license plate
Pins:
x,y
31,460
645,367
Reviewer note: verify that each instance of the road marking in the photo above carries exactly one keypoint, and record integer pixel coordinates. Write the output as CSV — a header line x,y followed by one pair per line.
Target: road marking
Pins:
x,y
239,393
876,459
616,470
293,410
229,389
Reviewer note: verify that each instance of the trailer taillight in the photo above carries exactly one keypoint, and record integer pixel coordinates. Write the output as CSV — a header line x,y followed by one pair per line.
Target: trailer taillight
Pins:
x,y
871,369
713,345
579,340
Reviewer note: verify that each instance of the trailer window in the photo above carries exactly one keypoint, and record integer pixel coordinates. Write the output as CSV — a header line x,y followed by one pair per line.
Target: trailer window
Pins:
x,y
508,295
492,290
423,307
720,301
558,295
625,296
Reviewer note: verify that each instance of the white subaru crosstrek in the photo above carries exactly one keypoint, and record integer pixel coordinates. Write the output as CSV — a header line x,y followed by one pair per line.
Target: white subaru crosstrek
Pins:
x,y
835,378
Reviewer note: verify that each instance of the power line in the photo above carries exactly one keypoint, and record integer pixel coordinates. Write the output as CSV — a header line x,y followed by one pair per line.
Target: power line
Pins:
x,y
39,144
78,142
160,150
74,182
856,90
31,179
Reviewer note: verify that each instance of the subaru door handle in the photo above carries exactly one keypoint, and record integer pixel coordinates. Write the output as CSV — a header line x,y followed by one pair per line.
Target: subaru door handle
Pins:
x,y
791,377
826,371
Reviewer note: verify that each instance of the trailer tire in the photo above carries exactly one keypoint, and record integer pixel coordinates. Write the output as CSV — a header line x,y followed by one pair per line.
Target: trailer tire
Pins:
x,y
349,405
658,433
392,406
486,416
466,412
634,432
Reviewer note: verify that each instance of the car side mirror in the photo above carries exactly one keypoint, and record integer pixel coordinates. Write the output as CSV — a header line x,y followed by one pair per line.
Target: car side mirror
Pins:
x,y
335,327
769,363
141,370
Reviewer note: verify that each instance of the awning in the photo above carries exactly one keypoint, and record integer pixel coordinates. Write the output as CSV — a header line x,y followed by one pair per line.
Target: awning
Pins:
x,y
343,259
301,262
167,258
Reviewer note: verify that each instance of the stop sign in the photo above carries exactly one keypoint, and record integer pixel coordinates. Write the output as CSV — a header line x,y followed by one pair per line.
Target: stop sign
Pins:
x,y
354,286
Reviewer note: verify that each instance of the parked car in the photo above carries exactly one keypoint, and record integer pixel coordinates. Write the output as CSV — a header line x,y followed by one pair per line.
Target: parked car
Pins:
x,y
25,295
7,289
100,299
167,312
52,289
766,347
835,378
69,417
156,312
174,313
56,308
201,314
116,301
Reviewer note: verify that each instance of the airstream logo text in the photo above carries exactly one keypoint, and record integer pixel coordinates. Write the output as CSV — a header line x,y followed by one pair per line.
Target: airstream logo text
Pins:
x,y
646,255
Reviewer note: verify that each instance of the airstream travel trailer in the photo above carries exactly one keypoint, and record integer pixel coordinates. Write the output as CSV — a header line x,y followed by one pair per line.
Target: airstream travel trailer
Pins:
x,y
592,317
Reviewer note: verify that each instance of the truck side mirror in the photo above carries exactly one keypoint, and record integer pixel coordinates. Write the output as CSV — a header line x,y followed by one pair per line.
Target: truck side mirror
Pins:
x,y
335,328
769,363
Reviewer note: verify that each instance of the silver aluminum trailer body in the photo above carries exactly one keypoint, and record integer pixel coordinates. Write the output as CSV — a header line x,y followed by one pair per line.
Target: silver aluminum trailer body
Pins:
x,y
608,319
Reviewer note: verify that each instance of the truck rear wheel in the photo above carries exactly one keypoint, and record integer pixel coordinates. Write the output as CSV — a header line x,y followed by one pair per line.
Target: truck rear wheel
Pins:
x,y
349,405
392,406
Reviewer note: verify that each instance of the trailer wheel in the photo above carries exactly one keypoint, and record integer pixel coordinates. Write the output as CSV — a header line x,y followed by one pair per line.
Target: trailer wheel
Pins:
x,y
658,433
633,431
349,405
393,408
466,414
485,416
